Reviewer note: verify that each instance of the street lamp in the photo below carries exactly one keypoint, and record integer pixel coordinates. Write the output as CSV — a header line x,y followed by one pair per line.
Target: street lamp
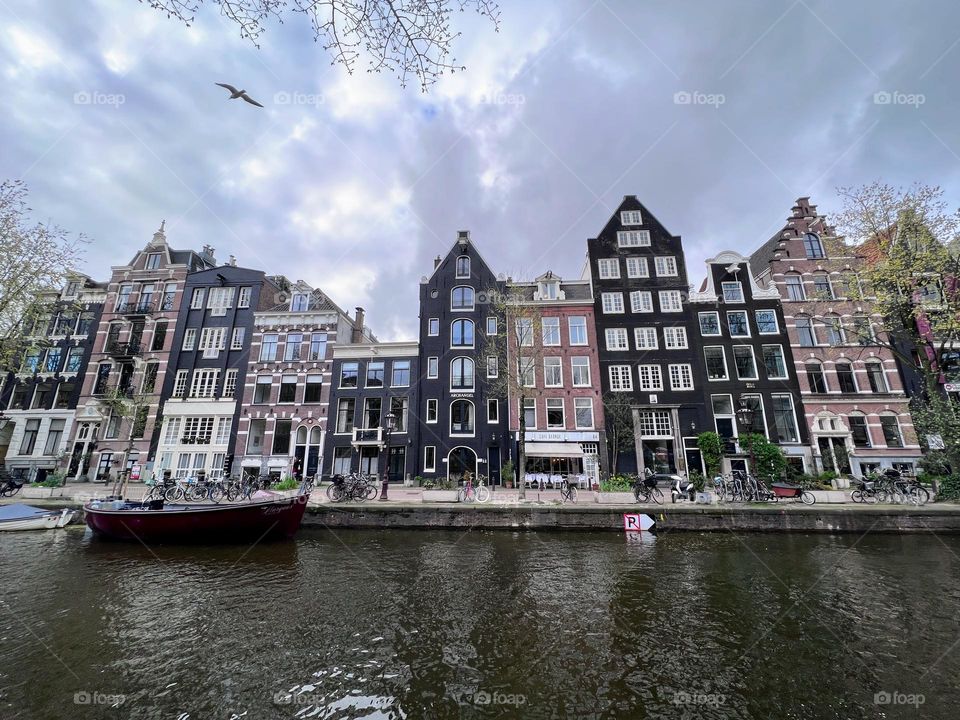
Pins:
x,y
745,415
391,421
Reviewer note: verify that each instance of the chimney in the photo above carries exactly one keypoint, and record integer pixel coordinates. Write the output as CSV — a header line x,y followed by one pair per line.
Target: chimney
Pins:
x,y
358,326
233,261
436,262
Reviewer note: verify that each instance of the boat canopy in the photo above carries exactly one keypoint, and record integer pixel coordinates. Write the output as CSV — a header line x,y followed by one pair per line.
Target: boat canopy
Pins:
x,y
19,511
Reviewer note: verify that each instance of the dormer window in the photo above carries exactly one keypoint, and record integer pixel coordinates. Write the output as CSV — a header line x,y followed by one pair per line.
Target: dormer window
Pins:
x,y
463,266
812,246
153,261
299,302
631,217
72,289
549,290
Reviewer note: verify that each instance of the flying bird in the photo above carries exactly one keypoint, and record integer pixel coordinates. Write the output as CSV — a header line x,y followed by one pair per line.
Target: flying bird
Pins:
x,y
234,94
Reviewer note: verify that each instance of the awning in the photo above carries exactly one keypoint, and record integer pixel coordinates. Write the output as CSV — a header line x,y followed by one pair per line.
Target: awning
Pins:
x,y
560,449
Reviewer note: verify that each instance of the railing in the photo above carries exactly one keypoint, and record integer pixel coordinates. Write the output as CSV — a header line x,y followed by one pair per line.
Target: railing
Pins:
x,y
139,307
367,436
123,349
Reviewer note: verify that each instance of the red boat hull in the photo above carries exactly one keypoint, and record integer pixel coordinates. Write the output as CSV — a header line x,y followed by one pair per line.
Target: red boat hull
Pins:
x,y
241,522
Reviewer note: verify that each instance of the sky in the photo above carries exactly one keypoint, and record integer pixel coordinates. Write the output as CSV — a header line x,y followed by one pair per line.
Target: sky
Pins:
x,y
717,115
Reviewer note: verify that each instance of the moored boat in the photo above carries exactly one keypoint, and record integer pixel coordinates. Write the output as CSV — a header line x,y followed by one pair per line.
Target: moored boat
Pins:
x,y
236,522
27,517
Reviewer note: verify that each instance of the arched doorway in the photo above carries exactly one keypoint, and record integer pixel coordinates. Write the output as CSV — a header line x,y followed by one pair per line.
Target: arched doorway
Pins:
x,y
459,460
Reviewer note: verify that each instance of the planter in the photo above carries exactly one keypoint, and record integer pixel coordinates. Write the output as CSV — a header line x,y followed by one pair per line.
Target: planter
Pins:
x,y
39,493
840,483
615,498
440,496
831,496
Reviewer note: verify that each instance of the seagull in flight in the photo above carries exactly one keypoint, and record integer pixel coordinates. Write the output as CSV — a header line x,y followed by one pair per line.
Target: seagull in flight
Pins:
x,y
234,94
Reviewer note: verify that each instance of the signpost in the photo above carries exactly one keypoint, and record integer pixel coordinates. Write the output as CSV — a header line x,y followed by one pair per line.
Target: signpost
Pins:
x,y
637,522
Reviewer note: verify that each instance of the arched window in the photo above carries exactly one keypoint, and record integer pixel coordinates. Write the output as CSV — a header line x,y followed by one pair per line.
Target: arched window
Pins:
x,y
805,331
461,417
461,298
877,378
812,246
463,266
816,377
461,333
833,330
461,374
795,286
845,378
822,289
301,435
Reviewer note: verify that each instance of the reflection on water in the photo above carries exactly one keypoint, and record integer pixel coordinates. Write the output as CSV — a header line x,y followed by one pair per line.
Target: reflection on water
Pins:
x,y
435,625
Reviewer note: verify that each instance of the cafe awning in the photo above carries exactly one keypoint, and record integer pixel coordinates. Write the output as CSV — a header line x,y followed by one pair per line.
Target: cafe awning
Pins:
x,y
555,449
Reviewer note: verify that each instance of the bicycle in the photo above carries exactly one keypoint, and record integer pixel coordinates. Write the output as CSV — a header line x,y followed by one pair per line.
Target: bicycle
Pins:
x,y
9,486
468,492
568,492
646,490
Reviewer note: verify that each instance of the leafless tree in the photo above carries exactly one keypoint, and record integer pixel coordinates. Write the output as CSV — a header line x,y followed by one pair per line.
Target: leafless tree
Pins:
x,y
405,37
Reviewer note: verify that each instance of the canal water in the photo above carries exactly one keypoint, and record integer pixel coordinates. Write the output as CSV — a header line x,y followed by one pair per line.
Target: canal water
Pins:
x,y
397,624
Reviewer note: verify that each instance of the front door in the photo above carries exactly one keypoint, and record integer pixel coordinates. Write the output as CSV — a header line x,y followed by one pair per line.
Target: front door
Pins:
x,y
493,465
398,463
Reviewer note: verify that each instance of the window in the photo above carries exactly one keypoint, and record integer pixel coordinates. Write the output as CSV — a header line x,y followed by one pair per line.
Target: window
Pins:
x,y
461,417
345,411
774,362
621,378
493,411
433,368
815,377
630,217
349,372
54,355
877,378
709,323
767,322
577,326
737,323
645,338
461,298
493,367
169,296
525,332
833,331
784,419
171,431
675,338
268,350
461,334
527,372
491,326
243,300
159,336
113,426
681,377
463,266
261,393
153,261
529,413
180,384
150,376
461,374
54,435
633,238
431,410
716,363
318,346
671,301
189,339
372,411
64,395
281,437
795,287
196,300
230,383
30,432
812,246
655,423
401,373
555,418
375,374
550,327
617,339
219,299
85,323
822,289
123,298
258,429
651,377
288,389
41,396
236,341
805,332
891,431
608,268
641,301
732,292
429,458
299,302
204,383
580,367
72,288
637,268
612,302
223,430
745,362
845,377
863,330
291,350
583,413
313,392
665,266
858,429
552,372
211,341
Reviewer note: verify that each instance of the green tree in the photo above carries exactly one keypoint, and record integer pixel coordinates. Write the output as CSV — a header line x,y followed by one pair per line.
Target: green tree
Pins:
x,y
711,449
133,409
618,415
768,459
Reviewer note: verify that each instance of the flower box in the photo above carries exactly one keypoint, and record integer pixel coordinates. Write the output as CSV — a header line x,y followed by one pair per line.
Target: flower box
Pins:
x,y
440,496
615,498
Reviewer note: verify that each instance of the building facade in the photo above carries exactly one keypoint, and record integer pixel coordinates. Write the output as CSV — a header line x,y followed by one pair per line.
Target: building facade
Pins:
x,y
39,397
645,330
854,401
368,382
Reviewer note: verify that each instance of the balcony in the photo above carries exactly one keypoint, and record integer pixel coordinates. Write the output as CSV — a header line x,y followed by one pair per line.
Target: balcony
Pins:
x,y
367,436
140,307
123,349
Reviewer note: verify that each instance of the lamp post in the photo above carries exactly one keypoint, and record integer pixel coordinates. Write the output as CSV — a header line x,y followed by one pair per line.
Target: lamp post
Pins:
x,y
745,415
391,421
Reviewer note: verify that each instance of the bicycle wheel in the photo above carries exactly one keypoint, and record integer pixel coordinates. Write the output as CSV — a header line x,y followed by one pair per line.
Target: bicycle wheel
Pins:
x,y
721,490
216,493
571,493
857,496
173,494
923,495
483,493
335,493
657,496
371,493
807,497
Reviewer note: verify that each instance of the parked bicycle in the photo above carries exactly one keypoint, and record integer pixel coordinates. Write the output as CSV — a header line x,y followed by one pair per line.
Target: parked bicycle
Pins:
x,y
646,490
352,487
568,491
468,492
9,486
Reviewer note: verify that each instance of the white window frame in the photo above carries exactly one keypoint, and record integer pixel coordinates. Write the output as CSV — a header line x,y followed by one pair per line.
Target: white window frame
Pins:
x,y
433,410
573,370
732,285
554,324
236,340
243,298
675,338
633,238
196,299
612,303
433,327
641,301
189,340
621,378
608,268
654,378
229,383
681,376
631,217
753,357
637,267
783,361
555,362
429,450
496,324
433,368
746,317
666,265
621,341
578,403
716,316
204,383
524,336
551,404
180,384
493,366
776,322
672,295
726,368
570,327
642,334
495,404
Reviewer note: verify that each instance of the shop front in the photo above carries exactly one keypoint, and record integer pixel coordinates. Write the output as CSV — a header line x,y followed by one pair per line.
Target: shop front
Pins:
x,y
562,454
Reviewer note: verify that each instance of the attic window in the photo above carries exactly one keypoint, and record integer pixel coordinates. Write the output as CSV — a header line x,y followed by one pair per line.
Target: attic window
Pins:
x,y
549,290
631,217
298,302
153,261
463,266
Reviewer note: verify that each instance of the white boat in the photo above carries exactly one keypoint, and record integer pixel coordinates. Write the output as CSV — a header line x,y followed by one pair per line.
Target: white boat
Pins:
x,y
26,517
